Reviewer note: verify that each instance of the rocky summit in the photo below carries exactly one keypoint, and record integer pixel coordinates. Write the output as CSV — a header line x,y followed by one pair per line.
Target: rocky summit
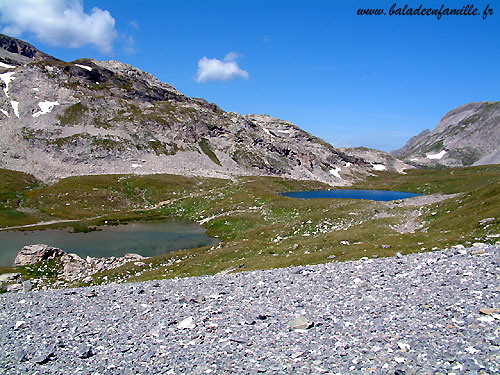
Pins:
x,y
98,117
467,135
430,313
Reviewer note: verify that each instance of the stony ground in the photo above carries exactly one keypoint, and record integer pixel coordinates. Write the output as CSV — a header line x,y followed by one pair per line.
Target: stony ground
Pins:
x,y
430,313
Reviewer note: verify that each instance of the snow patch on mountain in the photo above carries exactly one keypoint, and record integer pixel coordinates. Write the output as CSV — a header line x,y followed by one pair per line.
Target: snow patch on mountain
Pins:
x,y
45,107
7,78
15,107
437,156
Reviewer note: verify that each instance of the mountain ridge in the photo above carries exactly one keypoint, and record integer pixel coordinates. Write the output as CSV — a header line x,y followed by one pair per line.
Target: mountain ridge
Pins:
x,y
467,135
60,119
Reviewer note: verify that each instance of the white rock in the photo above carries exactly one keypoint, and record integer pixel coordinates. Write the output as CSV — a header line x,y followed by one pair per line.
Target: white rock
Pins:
x,y
14,288
404,347
9,277
187,323
300,324
20,324
486,319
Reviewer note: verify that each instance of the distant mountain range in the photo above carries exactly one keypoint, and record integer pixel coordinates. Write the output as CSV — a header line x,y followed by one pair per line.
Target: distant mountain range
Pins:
x,y
59,119
467,135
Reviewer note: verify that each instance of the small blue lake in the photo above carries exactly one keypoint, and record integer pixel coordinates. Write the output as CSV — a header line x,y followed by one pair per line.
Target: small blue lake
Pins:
x,y
374,195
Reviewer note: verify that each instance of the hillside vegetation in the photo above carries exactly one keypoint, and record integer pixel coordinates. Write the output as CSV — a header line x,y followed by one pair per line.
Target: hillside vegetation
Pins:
x,y
257,227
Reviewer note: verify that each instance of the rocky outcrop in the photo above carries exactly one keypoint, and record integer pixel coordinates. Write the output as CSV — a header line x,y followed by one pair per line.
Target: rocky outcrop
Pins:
x,y
32,254
378,160
99,117
467,135
22,48
73,266
76,268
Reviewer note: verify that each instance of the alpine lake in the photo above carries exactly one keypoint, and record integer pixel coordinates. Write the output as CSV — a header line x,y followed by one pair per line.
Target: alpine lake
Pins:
x,y
374,195
148,239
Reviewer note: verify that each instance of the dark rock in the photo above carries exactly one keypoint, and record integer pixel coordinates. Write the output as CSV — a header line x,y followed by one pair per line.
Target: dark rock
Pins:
x,y
23,48
42,357
85,351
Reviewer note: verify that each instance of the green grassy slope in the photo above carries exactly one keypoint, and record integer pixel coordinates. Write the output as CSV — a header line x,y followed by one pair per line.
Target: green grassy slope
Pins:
x,y
260,229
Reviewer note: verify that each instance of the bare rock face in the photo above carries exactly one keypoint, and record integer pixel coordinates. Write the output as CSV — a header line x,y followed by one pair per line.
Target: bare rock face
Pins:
x,y
22,48
32,254
59,119
467,135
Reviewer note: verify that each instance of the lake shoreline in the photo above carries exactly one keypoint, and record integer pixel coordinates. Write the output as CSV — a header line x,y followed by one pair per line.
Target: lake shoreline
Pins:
x,y
148,238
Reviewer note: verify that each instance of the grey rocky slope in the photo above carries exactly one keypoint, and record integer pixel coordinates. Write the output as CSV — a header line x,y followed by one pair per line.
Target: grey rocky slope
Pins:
x,y
92,117
467,135
430,313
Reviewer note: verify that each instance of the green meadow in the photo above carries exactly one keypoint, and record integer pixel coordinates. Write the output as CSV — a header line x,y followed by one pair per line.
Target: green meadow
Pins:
x,y
257,227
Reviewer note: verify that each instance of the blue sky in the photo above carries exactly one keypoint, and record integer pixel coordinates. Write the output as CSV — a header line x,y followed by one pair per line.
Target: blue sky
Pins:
x,y
351,80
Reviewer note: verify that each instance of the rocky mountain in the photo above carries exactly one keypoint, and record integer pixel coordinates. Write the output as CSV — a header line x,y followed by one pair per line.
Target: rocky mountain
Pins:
x,y
467,135
90,117
22,49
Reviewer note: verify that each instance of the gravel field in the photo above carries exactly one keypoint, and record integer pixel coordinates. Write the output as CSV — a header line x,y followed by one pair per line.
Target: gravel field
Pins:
x,y
429,313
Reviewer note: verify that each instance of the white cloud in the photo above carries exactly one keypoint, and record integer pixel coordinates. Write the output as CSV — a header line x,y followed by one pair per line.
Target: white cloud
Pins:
x,y
217,70
129,44
59,22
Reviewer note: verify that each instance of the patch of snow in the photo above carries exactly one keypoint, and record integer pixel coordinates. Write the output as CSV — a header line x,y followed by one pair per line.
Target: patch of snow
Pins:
x,y
84,67
49,68
414,159
15,107
347,165
379,167
45,107
7,77
136,165
35,89
436,156
335,172
6,66
4,112
267,131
